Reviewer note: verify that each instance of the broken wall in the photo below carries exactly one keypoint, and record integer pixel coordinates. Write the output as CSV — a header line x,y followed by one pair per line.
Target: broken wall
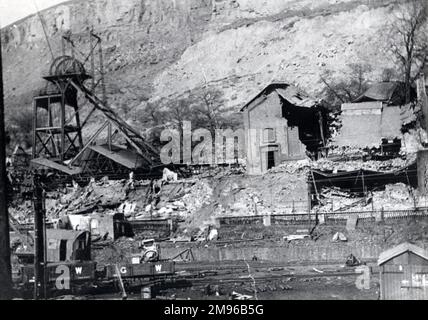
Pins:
x,y
367,125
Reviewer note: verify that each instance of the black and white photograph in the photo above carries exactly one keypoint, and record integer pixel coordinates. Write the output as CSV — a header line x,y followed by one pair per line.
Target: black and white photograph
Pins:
x,y
213,155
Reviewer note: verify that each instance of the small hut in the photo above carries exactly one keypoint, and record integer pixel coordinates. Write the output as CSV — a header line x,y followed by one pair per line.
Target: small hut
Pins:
x,y
404,273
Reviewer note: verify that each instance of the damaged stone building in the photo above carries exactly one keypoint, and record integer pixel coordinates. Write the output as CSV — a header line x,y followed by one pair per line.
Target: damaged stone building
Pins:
x,y
376,120
282,124
371,163
350,163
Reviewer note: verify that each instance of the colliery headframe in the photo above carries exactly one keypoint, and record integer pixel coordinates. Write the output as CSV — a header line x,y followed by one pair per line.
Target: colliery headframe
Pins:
x,y
74,95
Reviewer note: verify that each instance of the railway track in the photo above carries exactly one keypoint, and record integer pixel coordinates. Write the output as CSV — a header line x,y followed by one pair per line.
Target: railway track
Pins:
x,y
241,272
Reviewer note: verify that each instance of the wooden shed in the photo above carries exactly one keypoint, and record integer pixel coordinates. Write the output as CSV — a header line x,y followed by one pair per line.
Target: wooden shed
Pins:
x,y
68,245
404,273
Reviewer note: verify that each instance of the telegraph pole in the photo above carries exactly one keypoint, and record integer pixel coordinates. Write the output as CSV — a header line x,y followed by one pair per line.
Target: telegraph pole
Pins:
x,y
5,267
39,238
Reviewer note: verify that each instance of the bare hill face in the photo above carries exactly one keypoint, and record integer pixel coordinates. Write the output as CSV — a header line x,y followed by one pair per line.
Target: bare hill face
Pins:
x,y
158,51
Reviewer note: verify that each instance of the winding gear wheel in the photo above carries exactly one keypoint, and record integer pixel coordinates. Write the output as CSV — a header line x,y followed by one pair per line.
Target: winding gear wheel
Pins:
x,y
65,65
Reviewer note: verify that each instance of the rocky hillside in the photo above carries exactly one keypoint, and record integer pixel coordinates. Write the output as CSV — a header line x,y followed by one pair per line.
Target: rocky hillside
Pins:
x,y
158,51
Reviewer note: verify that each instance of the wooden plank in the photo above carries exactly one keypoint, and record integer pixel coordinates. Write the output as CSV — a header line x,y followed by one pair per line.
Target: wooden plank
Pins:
x,y
119,155
53,165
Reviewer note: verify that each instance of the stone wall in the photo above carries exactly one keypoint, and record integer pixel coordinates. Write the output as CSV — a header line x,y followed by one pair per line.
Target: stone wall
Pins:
x,y
286,253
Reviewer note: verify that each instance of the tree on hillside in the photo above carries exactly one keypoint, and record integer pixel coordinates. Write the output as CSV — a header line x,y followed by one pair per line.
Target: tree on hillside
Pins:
x,y
409,41
207,105
346,90
153,120
202,108
177,112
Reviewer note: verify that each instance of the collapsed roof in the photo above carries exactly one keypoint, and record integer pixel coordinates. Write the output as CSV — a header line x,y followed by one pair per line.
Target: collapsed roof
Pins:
x,y
288,92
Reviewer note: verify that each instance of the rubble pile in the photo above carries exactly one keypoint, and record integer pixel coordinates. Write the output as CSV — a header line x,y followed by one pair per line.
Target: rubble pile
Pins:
x,y
102,193
334,126
199,202
396,196
324,164
22,213
118,252
334,199
221,171
346,152
291,166
195,197
98,196
413,141
273,193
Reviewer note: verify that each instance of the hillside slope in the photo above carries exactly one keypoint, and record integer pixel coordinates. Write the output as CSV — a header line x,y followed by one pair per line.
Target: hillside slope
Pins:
x,y
158,51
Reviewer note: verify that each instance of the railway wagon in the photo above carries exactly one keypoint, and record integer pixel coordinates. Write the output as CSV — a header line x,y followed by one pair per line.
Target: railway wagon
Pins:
x,y
69,267
82,276
141,270
60,277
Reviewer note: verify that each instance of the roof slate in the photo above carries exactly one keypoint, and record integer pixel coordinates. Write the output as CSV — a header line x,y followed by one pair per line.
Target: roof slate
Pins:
x,y
288,92
381,91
